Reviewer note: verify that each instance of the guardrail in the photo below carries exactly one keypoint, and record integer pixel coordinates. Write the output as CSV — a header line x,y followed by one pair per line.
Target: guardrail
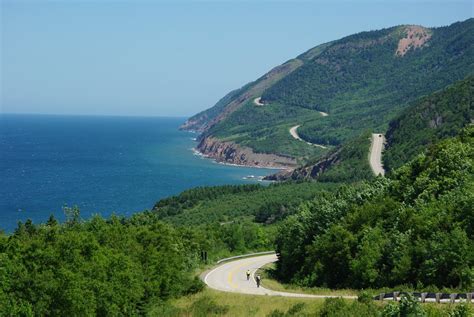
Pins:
x,y
428,297
244,256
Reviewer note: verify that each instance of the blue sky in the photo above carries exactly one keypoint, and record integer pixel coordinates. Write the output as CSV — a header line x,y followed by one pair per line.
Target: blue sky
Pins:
x,y
171,58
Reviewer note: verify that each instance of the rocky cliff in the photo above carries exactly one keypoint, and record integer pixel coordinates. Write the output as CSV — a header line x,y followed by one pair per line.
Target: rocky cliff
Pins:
x,y
231,153
311,171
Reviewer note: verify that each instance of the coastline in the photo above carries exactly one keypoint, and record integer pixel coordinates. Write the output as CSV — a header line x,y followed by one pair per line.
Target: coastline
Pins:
x,y
214,160
232,154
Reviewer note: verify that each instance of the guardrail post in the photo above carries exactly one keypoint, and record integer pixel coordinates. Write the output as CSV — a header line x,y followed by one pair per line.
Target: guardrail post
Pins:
x,y
423,297
452,297
381,296
438,297
469,297
395,295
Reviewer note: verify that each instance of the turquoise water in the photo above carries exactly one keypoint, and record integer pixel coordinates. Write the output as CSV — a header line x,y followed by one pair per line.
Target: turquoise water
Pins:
x,y
104,165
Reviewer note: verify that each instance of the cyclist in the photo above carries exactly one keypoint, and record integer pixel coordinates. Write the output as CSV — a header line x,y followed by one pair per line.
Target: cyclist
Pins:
x,y
258,279
248,274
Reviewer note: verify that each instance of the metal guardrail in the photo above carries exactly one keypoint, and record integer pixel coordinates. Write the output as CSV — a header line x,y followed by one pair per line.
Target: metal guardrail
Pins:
x,y
428,297
244,256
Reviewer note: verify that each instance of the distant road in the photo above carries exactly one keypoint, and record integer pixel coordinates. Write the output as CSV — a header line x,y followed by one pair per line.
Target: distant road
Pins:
x,y
295,135
375,156
257,101
231,277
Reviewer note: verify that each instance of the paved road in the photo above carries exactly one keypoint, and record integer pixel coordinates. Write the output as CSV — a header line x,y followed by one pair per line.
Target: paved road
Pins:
x,y
295,135
231,277
375,156
257,102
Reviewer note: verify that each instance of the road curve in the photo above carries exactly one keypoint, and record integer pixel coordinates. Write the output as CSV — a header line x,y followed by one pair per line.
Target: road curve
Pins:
x,y
375,156
257,101
295,135
231,277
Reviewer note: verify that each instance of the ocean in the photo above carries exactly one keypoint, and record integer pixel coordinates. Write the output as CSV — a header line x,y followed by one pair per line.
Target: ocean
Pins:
x,y
104,165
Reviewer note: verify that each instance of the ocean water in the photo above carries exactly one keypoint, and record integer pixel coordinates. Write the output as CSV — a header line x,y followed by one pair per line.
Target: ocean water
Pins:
x,y
104,165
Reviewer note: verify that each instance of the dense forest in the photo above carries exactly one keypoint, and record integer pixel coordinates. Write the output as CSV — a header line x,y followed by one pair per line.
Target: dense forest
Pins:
x,y
223,204
110,267
429,120
424,122
415,227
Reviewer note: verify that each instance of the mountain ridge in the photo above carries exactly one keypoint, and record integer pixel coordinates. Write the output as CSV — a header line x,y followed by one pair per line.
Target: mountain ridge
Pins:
x,y
363,81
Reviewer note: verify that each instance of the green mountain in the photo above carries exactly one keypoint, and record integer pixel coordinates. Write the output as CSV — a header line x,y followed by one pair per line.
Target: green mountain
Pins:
x,y
426,121
430,119
362,82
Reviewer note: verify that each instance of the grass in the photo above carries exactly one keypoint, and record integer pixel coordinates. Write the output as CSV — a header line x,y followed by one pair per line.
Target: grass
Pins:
x,y
214,303
270,283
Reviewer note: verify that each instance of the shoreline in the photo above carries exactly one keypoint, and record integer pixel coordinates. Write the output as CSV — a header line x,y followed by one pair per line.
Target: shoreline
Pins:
x,y
198,153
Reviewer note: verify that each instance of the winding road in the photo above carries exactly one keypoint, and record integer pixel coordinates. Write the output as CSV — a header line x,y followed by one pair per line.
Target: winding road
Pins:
x,y
231,277
295,135
375,155
257,101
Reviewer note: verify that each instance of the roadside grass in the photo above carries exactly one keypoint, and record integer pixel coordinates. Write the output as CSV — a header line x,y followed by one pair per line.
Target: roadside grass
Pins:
x,y
215,303
269,282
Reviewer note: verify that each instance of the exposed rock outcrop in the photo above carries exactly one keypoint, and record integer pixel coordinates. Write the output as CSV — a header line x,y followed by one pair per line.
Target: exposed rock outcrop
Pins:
x,y
232,153
310,171
416,36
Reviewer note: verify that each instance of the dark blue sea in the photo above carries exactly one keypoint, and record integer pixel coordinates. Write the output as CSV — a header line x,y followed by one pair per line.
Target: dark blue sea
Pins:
x,y
104,165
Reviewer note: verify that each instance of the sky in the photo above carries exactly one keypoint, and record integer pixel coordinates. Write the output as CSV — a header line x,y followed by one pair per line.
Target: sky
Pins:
x,y
176,58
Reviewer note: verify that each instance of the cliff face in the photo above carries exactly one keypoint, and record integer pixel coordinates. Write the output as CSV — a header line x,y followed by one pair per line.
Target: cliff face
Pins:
x,y
308,171
231,153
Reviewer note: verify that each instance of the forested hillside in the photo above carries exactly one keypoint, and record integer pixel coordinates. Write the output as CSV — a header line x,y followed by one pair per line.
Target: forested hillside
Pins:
x,y
228,204
429,120
414,228
426,121
362,82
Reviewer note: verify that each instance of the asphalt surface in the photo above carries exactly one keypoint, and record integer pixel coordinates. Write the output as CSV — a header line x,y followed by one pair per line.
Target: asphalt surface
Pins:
x,y
375,157
257,102
295,135
231,277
